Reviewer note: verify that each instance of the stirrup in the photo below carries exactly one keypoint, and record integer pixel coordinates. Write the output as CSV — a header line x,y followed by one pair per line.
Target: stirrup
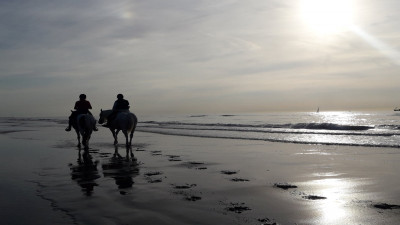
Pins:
x,y
68,129
95,129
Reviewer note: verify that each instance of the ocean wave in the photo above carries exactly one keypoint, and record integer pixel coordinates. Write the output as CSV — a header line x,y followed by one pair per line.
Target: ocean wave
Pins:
x,y
329,126
188,134
272,131
306,126
300,133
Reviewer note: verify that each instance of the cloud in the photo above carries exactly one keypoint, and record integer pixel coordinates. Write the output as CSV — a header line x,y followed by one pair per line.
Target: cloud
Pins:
x,y
187,56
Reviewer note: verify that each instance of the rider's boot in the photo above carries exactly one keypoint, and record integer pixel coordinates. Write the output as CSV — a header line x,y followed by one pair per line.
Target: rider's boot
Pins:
x,y
108,122
68,128
69,125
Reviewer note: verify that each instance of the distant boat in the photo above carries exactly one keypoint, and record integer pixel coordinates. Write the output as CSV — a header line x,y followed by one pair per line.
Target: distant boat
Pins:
x,y
396,109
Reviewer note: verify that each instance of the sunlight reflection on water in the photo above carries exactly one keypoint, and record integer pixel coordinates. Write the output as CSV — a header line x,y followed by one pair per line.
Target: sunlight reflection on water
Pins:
x,y
339,117
335,190
338,193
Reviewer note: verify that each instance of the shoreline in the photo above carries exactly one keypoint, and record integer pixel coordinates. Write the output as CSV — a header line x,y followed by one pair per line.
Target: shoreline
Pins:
x,y
190,180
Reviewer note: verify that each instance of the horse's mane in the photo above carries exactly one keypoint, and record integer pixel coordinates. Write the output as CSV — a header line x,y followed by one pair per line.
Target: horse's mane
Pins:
x,y
106,112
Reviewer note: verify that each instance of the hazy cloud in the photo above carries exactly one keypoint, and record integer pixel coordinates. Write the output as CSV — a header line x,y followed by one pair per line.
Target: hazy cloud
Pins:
x,y
192,56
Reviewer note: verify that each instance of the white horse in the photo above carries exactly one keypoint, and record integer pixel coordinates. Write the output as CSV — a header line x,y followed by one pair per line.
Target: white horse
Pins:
x,y
84,125
125,122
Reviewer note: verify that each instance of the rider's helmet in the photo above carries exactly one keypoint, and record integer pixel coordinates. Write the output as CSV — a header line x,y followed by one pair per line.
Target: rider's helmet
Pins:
x,y
82,96
120,96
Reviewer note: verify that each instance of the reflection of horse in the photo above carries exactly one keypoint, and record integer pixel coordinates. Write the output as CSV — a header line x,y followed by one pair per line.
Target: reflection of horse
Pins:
x,y
85,172
122,169
125,122
83,125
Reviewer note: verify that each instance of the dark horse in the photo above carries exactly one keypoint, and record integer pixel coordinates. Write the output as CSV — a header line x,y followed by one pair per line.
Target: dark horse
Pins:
x,y
83,126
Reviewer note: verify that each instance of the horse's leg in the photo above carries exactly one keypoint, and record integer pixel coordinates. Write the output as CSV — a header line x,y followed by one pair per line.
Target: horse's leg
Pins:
x,y
79,138
126,137
131,136
116,153
115,136
129,153
86,141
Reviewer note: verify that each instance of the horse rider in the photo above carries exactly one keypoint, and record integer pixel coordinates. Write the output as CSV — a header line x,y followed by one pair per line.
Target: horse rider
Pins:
x,y
120,105
81,107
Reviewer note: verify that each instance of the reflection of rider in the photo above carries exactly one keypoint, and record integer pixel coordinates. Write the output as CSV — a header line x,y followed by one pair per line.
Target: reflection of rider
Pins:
x,y
122,169
85,173
82,107
120,105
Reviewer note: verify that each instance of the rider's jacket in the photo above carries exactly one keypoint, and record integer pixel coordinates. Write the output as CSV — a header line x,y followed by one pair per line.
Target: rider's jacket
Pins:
x,y
82,106
121,105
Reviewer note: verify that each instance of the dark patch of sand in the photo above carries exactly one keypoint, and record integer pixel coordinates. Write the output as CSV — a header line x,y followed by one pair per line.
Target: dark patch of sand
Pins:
x,y
267,221
194,165
149,174
284,186
314,197
193,198
174,158
155,153
229,172
185,186
239,180
157,180
386,206
237,207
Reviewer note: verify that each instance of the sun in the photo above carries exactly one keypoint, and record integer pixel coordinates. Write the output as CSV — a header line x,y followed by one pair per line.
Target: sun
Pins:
x,y
327,16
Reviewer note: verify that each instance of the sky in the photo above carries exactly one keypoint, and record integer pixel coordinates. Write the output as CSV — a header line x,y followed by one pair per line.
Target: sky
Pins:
x,y
199,56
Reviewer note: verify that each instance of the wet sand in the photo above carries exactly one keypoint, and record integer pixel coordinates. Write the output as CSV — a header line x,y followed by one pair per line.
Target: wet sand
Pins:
x,y
46,179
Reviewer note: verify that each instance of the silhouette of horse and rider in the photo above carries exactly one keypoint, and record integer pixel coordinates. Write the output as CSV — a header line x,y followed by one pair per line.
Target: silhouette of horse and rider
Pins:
x,y
119,118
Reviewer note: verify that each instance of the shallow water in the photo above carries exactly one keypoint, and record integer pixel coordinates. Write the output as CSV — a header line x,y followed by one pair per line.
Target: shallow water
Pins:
x,y
373,129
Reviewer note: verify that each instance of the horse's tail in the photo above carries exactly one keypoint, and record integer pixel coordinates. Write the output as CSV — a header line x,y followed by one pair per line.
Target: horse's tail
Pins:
x,y
135,121
85,124
82,122
132,122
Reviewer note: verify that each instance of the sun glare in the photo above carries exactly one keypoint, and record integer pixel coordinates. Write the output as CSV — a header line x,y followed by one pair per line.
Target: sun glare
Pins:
x,y
327,16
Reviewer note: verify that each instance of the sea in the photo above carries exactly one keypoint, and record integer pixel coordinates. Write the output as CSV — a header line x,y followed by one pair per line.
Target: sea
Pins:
x,y
370,129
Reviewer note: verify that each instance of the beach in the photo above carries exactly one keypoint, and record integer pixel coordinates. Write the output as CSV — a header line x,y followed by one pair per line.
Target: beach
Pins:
x,y
171,179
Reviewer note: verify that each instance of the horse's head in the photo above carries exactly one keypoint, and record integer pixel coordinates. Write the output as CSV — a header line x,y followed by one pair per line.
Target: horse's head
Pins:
x,y
101,117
